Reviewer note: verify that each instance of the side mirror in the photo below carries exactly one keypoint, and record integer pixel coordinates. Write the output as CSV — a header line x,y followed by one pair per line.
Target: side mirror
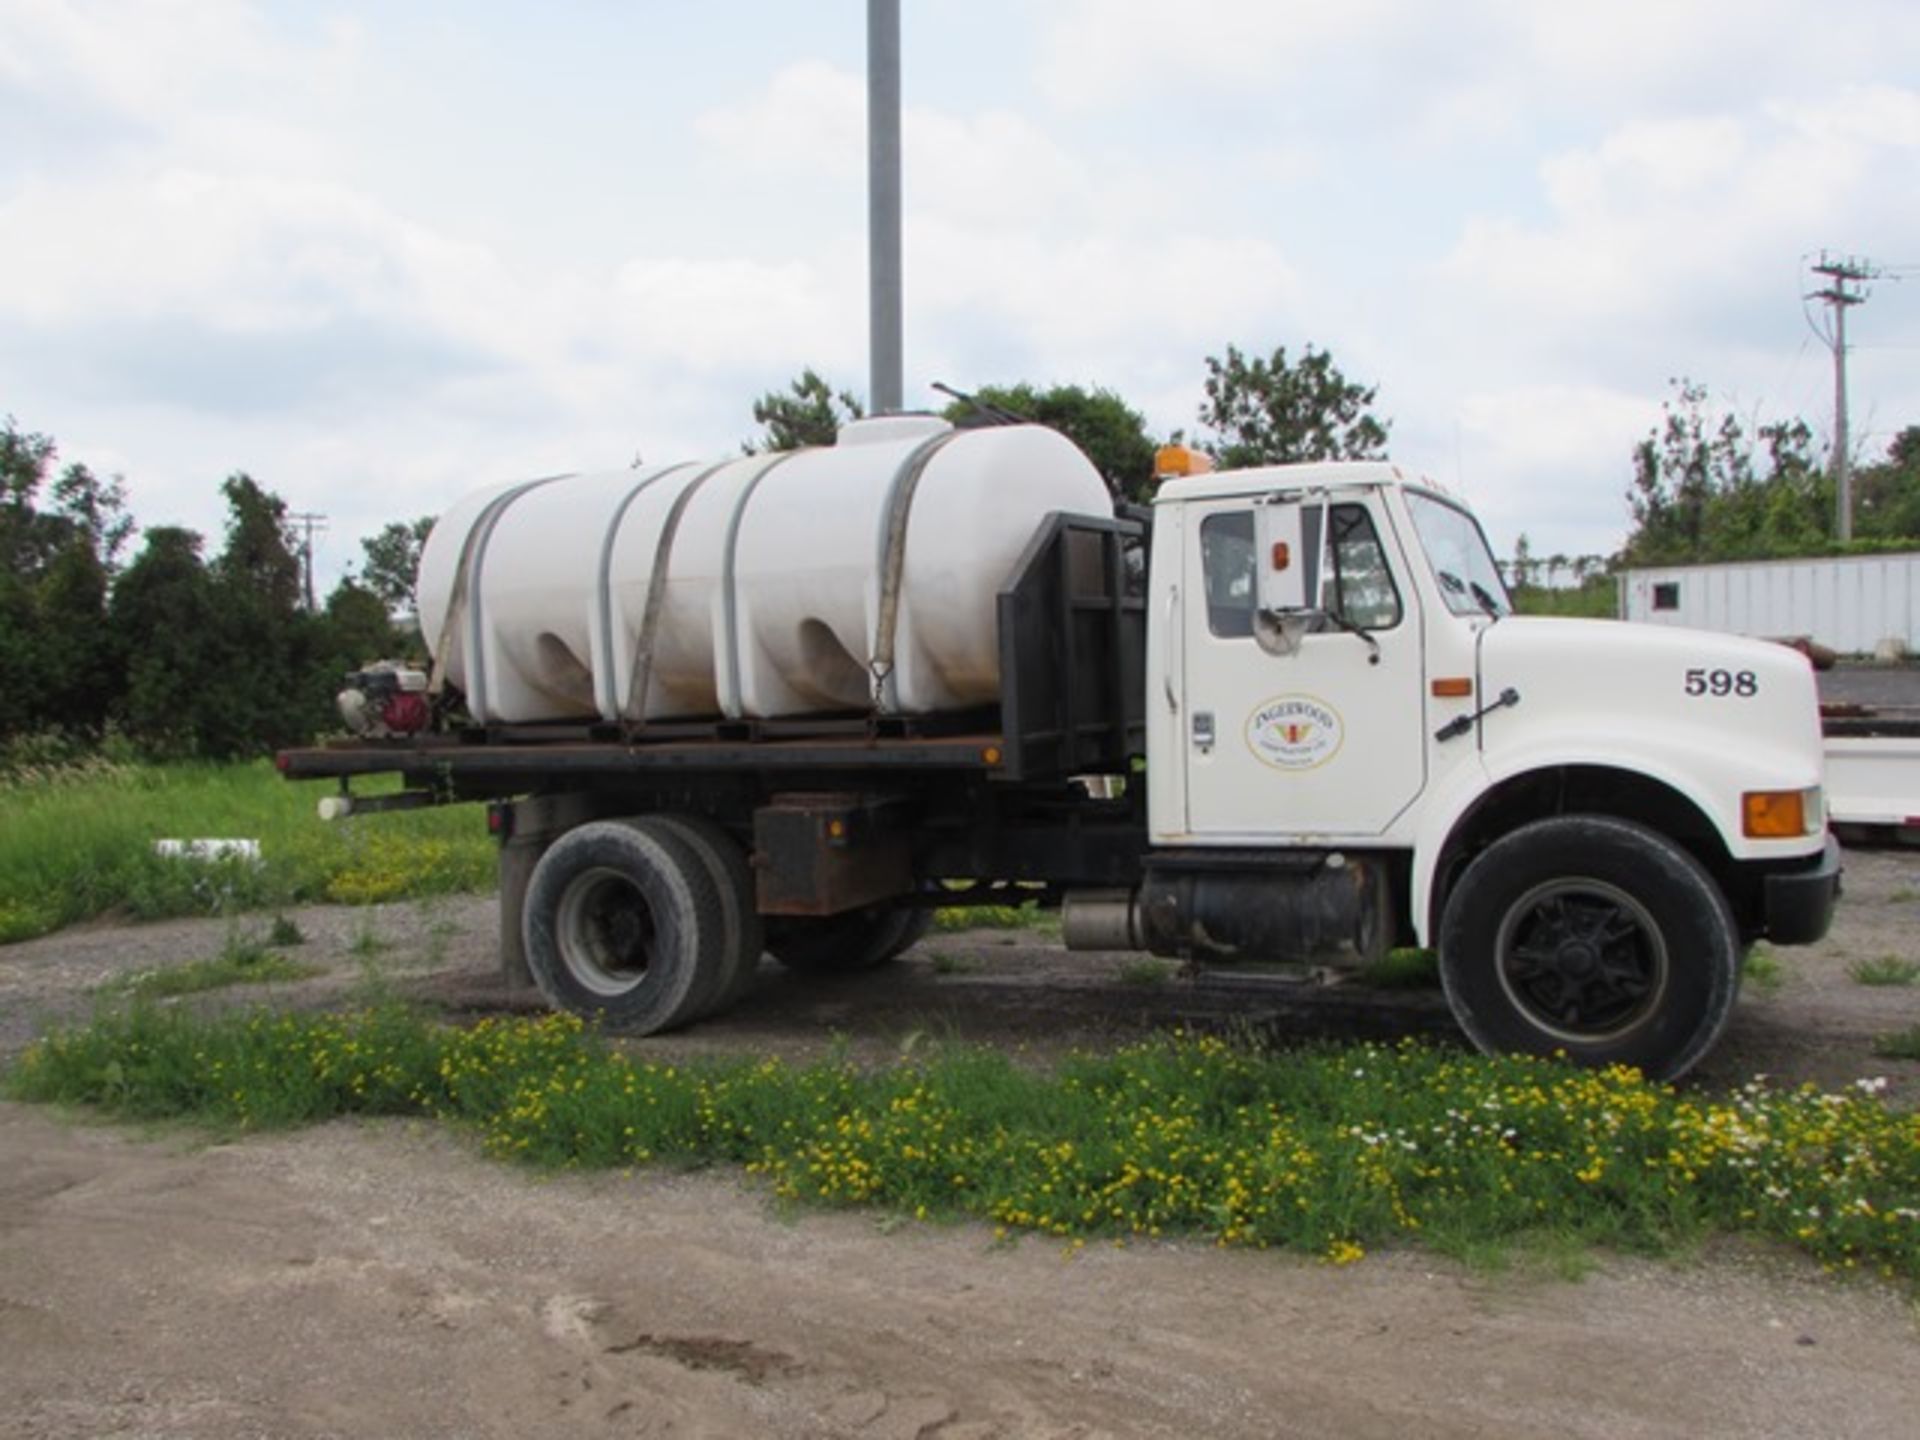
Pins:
x,y
1289,537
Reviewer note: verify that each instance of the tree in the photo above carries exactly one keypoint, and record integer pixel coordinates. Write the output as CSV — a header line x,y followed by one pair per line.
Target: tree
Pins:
x,y
356,628
167,614
1111,433
261,561
811,413
1272,411
1886,496
58,661
1523,566
391,561
24,459
1698,493
278,686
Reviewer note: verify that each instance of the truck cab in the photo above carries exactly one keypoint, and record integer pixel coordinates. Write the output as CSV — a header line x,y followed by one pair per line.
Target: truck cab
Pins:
x,y
1590,821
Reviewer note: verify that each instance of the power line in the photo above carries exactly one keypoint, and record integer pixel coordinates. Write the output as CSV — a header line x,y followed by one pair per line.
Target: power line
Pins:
x,y
1846,287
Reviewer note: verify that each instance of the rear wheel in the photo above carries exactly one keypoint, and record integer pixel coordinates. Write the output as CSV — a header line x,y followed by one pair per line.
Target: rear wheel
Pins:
x,y
743,936
623,924
1593,936
845,944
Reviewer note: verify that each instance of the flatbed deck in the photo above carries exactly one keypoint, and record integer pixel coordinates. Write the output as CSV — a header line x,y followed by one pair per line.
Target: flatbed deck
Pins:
x,y
451,757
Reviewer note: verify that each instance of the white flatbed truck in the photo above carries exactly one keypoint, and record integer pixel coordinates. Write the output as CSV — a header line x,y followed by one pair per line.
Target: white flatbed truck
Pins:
x,y
1283,717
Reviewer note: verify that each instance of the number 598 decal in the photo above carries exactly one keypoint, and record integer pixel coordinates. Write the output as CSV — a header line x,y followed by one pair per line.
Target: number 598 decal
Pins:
x,y
1743,683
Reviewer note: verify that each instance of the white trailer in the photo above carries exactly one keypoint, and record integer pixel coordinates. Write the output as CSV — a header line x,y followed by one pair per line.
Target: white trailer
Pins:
x,y
1853,604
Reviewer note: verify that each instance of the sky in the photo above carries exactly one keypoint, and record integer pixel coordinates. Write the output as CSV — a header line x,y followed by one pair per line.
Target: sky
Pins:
x,y
379,254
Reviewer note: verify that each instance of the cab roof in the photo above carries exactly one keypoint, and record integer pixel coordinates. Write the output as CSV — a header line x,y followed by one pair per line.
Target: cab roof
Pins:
x,y
1261,479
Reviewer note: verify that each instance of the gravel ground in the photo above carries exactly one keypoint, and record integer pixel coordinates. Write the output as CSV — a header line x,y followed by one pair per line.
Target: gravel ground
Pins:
x,y
1890,686
380,1279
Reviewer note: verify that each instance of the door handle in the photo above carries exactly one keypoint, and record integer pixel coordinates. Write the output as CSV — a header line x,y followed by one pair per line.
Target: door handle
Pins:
x,y
1167,665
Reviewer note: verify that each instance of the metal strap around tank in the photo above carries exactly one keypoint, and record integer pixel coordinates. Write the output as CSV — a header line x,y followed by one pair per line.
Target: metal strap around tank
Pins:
x,y
893,559
729,606
603,589
634,713
466,581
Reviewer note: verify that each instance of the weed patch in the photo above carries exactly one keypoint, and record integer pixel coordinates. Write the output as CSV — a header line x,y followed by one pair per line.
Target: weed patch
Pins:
x,y
1407,968
241,962
1762,974
1900,1044
1147,972
997,917
1885,970
1330,1151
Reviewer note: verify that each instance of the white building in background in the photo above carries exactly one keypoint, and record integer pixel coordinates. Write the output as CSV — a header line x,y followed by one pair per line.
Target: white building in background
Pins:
x,y
1854,604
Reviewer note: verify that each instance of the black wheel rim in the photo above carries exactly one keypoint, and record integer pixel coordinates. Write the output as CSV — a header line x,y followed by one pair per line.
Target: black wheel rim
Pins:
x,y
605,932
1582,960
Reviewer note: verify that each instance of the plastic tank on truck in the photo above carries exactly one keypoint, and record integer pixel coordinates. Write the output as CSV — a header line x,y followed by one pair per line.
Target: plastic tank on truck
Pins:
x,y
853,578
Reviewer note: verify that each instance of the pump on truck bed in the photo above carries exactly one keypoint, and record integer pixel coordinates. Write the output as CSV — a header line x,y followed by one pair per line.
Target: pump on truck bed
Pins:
x,y
788,704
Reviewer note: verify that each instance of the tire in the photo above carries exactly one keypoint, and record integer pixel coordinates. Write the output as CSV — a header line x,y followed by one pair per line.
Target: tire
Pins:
x,y
919,922
1592,936
624,925
846,944
743,935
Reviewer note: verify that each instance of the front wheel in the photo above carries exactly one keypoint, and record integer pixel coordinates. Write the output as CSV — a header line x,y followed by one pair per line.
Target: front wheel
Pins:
x,y
1592,936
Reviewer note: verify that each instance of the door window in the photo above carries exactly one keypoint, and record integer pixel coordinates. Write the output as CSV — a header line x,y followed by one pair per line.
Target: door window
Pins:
x,y
1358,584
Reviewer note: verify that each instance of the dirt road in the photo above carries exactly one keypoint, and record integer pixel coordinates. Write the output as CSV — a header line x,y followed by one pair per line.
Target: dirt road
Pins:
x,y
380,1280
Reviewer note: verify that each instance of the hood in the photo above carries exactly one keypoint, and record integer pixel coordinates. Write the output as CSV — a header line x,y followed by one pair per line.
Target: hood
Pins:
x,y
1750,704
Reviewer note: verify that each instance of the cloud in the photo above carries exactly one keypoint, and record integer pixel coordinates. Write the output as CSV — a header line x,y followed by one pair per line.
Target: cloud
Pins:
x,y
1095,52
1696,216
810,122
230,237
1099,52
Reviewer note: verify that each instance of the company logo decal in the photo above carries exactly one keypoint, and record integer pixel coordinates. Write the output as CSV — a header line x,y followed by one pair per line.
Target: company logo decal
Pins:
x,y
1295,732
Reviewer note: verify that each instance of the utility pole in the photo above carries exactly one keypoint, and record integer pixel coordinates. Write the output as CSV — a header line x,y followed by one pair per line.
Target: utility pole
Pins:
x,y
884,345
308,524
1840,274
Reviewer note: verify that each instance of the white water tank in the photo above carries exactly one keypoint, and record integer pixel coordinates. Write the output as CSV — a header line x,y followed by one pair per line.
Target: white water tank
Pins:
x,y
540,599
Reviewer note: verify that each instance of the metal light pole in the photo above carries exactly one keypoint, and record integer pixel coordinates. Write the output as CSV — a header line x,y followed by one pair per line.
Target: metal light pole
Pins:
x,y
884,343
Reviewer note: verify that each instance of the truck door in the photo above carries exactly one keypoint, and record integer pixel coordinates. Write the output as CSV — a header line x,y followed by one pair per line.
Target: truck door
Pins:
x,y
1329,740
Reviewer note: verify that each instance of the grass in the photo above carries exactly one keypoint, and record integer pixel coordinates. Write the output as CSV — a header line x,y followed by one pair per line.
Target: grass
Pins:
x,y
242,961
1331,1151
997,917
78,843
1885,970
1900,1045
1406,968
367,942
1147,972
1763,974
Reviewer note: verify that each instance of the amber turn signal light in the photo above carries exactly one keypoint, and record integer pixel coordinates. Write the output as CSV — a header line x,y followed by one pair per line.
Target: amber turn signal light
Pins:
x,y
1779,814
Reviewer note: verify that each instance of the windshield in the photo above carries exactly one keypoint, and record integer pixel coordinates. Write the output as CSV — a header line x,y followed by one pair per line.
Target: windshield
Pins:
x,y
1469,580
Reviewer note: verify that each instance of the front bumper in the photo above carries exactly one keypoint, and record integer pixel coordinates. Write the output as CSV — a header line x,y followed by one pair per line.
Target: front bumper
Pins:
x,y
1799,903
